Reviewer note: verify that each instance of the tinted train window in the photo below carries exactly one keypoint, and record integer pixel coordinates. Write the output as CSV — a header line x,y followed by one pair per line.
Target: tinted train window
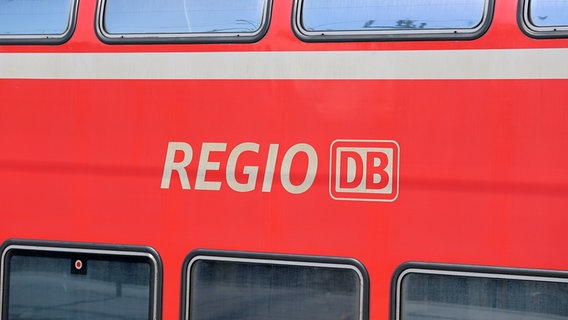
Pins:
x,y
36,20
391,18
183,20
477,293
548,13
545,18
265,287
44,282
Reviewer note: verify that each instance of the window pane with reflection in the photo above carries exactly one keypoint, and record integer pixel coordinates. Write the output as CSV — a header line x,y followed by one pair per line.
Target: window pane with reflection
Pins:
x,y
35,17
548,13
373,15
183,16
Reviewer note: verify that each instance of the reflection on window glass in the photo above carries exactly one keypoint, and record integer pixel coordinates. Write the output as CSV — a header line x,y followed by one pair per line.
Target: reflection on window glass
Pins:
x,y
183,16
35,17
249,290
548,13
466,297
373,15
47,285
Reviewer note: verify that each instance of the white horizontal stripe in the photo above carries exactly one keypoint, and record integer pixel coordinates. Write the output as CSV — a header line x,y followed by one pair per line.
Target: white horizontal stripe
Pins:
x,y
433,64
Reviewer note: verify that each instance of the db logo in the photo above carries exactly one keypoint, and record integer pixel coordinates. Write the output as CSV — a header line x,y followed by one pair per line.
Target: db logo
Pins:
x,y
364,170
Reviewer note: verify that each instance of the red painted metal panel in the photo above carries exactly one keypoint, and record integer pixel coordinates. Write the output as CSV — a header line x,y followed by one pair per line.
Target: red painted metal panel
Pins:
x,y
483,177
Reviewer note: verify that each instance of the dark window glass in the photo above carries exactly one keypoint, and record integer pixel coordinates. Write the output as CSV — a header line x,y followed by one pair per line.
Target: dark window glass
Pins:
x,y
35,17
183,16
390,15
548,13
57,284
245,289
471,296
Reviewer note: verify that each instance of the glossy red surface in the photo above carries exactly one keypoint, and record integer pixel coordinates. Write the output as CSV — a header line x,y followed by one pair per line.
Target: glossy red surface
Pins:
x,y
483,175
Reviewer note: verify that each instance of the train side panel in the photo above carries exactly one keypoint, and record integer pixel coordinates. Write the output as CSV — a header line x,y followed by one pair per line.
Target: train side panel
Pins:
x,y
239,156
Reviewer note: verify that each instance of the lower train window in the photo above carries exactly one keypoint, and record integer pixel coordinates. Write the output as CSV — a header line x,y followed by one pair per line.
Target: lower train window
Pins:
x,y
224,285
32,21
423,291
73,281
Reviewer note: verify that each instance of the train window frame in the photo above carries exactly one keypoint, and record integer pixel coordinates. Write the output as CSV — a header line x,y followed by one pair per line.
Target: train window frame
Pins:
x,y
534,31
467,271
401,34
255,258
182,37
81,252
47,38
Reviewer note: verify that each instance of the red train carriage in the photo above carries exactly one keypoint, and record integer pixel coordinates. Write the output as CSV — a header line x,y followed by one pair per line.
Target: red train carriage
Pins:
x,y
283,159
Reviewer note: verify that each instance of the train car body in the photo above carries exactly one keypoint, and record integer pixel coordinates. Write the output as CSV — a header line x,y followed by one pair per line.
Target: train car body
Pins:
x,y
426,149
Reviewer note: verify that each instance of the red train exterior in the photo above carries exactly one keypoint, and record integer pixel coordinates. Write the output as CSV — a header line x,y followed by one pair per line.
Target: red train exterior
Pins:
x,y
96,139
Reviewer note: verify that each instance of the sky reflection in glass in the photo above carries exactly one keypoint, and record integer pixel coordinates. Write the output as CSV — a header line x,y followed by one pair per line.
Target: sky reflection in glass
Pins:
x,y
35,17
548,13
369,15
183,16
